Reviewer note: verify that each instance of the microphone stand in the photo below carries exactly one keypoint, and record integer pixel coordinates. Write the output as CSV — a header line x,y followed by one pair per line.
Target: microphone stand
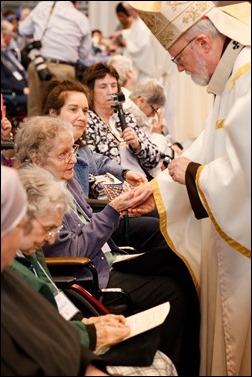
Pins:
x,y
120,111
123,123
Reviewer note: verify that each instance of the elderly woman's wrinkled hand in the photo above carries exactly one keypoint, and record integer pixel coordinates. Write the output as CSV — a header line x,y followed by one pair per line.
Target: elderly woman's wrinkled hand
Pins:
x,y
110,328
136,201
143,201
122,202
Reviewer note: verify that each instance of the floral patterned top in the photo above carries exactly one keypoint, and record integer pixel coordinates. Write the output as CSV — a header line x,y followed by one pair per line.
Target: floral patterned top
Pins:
x,y
106,139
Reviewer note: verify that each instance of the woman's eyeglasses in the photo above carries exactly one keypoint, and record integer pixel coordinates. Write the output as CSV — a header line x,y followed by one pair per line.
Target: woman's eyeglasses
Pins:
x,y
50,231
67,156
153,109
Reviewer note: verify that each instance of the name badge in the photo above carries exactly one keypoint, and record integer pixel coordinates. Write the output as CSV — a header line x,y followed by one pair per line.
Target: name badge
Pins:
x,y
105,248
66,308
17,75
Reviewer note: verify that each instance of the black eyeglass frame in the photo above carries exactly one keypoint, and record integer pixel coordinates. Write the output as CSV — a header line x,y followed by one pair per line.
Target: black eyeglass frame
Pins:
x,y
176,59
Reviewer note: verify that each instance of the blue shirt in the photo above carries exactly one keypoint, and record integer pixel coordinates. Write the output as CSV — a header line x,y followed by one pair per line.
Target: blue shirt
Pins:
x,y
96,164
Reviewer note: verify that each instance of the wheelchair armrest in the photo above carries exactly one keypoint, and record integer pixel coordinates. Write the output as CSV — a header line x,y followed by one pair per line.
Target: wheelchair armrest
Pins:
x,y
70,269
66,261
116,291
96,204
117,300
67,274
64,281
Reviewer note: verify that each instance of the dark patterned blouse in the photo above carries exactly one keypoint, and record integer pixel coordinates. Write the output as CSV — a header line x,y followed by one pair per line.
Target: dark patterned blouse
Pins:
x,y
106,139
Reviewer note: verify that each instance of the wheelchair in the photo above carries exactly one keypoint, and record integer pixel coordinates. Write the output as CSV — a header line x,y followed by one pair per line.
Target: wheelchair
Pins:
x,y
86,295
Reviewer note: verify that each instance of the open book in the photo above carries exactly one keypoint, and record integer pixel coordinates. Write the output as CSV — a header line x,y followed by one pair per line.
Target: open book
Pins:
x,y
141,322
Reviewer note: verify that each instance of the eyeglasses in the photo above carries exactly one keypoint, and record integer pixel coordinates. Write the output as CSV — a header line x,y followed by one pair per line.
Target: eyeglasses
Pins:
x,y
51,231
67,156
153,109
177,58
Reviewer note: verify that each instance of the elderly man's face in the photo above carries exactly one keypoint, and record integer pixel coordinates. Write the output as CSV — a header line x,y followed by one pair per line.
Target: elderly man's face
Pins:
x,y
189,56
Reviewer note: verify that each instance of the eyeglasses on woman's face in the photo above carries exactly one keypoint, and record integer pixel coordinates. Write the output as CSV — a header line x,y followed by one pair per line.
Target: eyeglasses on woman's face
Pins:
x,y
66,157
50,231
155,110
177,58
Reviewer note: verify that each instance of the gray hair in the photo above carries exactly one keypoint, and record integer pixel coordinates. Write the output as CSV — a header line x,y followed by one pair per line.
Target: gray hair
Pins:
x,y
6,27
45,193
123,65
151,90
204,26
36,137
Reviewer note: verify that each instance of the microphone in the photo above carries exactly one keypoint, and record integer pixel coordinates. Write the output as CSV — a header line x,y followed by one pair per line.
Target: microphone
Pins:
x,y
118,99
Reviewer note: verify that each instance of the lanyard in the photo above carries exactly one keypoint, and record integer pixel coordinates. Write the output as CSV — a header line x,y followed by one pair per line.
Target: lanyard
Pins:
x,y
48,277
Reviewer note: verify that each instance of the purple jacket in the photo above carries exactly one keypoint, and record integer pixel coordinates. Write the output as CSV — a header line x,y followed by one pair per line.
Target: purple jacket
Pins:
x,y
79,239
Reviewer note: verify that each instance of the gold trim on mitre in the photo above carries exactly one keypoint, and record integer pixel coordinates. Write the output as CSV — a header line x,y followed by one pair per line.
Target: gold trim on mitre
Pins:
x,y
168,20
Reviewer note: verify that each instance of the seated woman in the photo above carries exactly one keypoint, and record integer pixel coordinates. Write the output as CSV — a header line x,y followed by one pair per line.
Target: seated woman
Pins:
x,y
145,102
32,332
128,147
48,201
67,100
152,278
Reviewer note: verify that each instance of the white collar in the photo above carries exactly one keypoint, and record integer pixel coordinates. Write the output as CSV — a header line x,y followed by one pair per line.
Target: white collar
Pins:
x,y
224,68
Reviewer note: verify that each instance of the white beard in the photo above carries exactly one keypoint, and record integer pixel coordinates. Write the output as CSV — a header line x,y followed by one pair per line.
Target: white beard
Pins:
x,y
203,77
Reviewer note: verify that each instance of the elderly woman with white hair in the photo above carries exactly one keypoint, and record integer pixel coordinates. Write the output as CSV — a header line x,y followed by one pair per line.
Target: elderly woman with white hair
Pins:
x,y
146,102
25,313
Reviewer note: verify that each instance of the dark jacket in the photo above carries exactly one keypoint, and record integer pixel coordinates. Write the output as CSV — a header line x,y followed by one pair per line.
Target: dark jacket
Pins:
x,y
35,339
10,73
